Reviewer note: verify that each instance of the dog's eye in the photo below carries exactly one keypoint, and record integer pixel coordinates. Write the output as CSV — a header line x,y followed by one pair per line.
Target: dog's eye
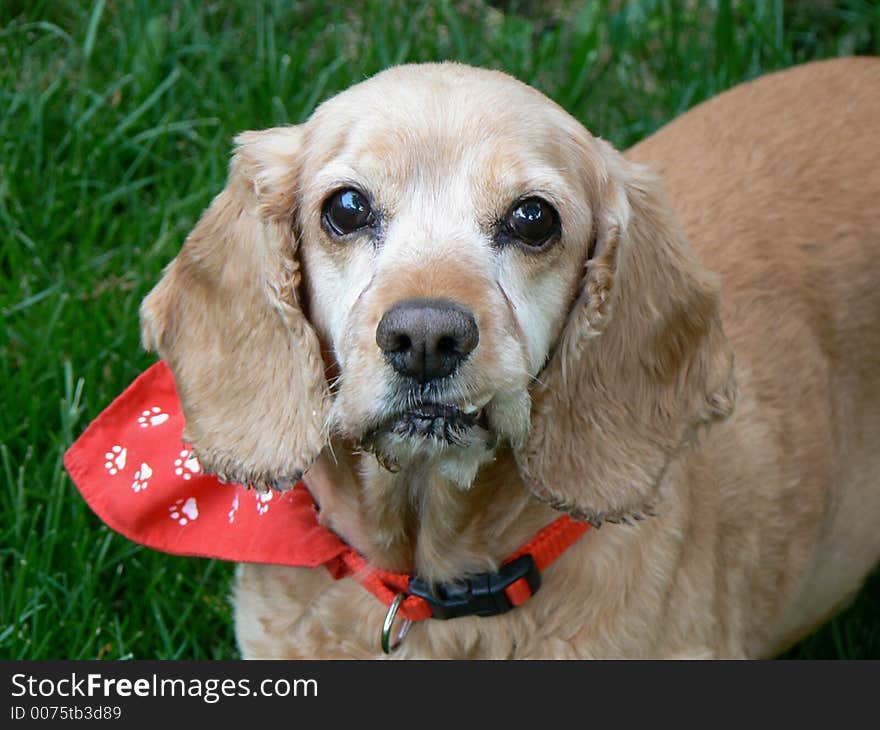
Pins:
x,y
347,211
533,221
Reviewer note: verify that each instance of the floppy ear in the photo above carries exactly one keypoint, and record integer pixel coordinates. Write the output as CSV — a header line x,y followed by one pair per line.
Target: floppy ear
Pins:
x,y
641,364
226,318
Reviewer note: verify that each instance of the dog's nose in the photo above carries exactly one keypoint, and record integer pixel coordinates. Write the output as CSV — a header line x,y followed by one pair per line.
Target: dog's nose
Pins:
x,y
427,339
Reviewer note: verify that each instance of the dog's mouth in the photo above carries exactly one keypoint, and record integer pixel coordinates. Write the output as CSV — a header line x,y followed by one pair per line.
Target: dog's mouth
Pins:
x,y
442,423
438,421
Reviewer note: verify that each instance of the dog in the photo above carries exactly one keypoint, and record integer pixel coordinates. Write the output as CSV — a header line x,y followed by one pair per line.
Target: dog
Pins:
x,y
461,316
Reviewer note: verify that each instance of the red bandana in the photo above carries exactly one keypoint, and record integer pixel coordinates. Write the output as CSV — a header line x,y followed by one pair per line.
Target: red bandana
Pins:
x,y
135,471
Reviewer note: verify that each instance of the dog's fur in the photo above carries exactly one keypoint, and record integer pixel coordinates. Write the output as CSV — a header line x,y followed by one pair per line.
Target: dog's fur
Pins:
x,y
609,364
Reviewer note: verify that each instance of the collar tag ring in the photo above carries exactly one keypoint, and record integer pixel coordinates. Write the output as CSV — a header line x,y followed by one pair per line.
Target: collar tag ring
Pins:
x,y
389,645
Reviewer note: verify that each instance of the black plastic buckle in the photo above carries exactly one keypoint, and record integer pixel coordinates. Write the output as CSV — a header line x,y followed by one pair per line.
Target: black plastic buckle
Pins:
x,y
478,595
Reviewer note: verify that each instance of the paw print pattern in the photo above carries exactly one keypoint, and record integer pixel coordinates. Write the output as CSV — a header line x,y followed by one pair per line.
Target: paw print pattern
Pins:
x,y
153,417
233,510
184,511
141,477
115,460
263,500
187,465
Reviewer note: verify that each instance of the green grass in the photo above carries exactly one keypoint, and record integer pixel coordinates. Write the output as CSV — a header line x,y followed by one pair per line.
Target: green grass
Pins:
x,y
115,125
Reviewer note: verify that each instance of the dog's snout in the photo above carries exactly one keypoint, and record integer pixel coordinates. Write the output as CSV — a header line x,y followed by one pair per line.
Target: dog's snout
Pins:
x,y
427,339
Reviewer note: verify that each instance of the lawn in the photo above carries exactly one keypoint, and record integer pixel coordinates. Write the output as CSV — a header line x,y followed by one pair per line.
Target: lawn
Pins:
x,y
115,126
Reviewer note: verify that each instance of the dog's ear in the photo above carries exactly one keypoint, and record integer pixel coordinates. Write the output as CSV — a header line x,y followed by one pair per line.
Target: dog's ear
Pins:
x,y
226,318
642,361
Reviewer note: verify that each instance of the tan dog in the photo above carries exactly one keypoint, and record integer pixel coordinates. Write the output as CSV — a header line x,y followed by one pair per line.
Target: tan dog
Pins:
x,y
463,314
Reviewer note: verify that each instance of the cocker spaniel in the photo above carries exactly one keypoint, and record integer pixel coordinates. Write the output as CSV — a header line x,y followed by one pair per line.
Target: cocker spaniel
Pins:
x,y
456,315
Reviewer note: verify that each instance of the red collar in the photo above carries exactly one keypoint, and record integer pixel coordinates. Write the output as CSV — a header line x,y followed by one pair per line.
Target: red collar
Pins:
x,y
134,470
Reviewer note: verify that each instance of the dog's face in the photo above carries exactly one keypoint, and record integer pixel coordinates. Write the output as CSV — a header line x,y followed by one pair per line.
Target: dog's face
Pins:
x,y
438,261
444,223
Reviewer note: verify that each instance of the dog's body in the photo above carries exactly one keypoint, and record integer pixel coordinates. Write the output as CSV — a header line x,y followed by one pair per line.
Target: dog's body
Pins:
x,y
746,533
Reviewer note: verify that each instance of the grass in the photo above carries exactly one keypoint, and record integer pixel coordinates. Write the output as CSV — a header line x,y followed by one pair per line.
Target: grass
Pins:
x,y
115,125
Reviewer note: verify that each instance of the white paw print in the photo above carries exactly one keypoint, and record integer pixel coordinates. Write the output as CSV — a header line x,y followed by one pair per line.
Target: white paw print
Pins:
x,y
231,513
187,465
115,460
263,500
141,477
153,417
184,511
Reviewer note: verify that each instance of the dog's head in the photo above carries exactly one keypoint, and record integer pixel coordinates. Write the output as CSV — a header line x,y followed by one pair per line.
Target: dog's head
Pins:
x,y
438,261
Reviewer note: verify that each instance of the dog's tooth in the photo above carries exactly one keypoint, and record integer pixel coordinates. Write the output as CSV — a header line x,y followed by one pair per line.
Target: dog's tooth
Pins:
x,y
470,408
